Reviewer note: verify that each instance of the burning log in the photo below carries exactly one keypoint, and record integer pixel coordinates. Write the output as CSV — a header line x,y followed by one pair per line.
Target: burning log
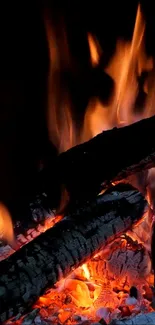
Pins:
x,y
112,155
55,253
142,319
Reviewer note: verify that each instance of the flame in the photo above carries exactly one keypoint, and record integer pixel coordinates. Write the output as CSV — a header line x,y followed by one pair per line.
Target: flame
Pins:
x,y
101,286
126,68
60,120
128,59
95,50
86,271
6,225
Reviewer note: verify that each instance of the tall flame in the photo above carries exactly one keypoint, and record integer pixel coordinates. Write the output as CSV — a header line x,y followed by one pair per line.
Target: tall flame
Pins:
x,y
60,120
130,63
127,64
125,68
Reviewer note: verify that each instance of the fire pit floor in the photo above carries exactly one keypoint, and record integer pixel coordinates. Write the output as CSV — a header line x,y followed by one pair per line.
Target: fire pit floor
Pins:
x,y
113,287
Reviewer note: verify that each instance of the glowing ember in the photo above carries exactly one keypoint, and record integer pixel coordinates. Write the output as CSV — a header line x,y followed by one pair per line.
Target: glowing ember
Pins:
x,y
113,284
21,239
116,282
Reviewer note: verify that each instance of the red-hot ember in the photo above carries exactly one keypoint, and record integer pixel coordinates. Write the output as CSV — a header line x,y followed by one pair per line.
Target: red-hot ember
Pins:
x,y
116,282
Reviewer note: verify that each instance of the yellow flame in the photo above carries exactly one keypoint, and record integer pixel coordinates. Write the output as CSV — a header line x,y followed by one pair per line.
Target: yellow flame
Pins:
x,y
86,271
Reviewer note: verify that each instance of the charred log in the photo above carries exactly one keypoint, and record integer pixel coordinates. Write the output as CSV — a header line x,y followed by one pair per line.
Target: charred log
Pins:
x,y
55,253
120,261
112,155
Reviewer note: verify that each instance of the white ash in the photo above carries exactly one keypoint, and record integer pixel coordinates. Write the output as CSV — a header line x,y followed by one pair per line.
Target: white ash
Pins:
x,y
142,319
103,313
131,301
122,262
127,263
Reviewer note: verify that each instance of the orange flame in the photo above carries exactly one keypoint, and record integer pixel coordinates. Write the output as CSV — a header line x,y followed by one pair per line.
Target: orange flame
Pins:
x,y
127,64
106,279
6,226
98,288
95,50
125,67
86,271
60,120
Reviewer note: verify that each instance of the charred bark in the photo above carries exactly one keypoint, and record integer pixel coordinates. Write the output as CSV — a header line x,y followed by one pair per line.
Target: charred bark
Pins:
x,y
112,155
55,253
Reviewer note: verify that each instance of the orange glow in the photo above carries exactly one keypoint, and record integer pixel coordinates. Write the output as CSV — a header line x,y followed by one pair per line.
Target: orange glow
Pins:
x,y
86,271
101,285
50,222
125,67
95,50
6,226
60,121
128,59
79,292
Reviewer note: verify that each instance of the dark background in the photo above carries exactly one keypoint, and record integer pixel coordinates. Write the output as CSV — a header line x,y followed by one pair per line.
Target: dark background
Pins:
x,y
24,69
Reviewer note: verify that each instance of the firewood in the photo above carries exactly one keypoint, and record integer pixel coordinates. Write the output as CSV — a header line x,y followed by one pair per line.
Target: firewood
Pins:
x,y
142,319
119,262
41,263
112,155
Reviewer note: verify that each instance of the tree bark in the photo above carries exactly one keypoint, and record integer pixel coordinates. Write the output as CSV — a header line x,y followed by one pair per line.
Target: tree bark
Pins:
x,y
112,155
41,263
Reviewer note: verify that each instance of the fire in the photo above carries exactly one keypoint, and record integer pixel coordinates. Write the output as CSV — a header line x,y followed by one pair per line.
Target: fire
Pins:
x,y
126,68
86,271
50,222
60,120
6,226
95,50
115,282
101,287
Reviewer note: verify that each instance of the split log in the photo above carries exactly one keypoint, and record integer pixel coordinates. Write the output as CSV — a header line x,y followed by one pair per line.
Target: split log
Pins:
x,y
41,263
142,319
112,155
